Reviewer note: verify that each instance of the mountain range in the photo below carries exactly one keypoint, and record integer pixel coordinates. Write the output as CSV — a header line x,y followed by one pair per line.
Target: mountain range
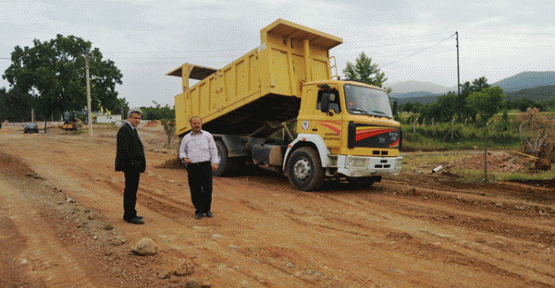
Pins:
x,y
429,92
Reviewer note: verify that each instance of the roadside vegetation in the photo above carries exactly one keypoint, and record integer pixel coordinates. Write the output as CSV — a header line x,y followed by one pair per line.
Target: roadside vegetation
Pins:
x,y
482,121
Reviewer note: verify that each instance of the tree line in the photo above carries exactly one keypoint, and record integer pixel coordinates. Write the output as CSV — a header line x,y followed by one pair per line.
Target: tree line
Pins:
x,y
542,98
49,78
478,100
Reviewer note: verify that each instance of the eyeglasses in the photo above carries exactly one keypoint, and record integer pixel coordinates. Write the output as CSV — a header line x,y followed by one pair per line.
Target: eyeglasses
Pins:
x,y
138,118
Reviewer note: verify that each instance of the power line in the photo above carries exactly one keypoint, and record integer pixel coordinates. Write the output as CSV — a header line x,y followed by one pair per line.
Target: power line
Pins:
x,y
417,52
175,51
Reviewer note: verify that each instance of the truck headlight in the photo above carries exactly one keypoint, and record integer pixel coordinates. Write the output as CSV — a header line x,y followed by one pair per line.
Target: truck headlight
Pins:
x,y
356,162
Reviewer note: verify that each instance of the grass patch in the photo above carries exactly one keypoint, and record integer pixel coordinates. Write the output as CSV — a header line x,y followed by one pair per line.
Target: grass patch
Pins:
x,y
468,165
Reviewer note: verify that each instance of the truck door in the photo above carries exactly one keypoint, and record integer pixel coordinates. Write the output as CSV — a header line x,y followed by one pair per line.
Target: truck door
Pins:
x,y
328,122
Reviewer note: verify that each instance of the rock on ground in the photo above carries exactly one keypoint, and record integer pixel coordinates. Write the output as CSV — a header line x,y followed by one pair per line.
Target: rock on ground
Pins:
x,y
145,247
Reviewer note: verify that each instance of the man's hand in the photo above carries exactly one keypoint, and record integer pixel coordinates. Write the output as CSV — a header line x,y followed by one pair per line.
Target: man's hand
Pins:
x,y
186,160
215,166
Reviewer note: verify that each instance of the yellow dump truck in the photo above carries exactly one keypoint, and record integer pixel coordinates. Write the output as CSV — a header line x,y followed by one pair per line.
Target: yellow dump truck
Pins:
x,y
344,129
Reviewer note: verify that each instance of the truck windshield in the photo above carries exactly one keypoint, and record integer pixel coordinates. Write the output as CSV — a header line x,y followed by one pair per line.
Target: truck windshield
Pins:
x,y
367,101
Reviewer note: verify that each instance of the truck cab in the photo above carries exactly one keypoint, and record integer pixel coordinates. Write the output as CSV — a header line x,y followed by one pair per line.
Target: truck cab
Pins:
x,y
349,126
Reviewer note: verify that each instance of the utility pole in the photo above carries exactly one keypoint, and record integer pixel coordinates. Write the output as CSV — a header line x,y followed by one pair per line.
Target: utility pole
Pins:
x,y
459,79
89,96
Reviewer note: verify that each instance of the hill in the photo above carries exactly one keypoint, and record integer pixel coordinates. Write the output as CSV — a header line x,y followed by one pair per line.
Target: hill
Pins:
x,y
418,99
535,86
524,80
416,88
538,94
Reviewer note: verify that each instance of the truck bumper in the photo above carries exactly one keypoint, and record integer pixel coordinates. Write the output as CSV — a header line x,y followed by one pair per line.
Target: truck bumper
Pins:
x,y
354,166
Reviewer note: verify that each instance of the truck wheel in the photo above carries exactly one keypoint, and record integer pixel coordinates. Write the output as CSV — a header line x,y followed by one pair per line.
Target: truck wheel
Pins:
x,y
305,170
225,163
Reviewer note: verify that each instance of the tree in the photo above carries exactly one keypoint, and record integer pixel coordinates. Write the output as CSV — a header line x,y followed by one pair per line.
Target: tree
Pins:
x,y
55,71
479,84
467,89
407,107
487,102
523,105
15,106
449,107
395,108
364,71
165,114
417,107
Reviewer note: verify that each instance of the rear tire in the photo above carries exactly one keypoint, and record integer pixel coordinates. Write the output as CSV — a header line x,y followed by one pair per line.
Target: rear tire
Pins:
x,y
305,170
226,164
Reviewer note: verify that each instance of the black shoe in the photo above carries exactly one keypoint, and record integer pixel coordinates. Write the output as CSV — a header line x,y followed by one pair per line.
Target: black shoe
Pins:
x,y
209,214
140,217
135,220
198,216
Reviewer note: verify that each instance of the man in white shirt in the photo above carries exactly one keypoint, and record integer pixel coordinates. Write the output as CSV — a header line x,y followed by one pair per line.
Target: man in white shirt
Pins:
x,y
198,149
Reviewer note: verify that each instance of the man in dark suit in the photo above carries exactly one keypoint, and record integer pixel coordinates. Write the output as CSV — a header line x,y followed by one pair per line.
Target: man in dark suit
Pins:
x,y
130,158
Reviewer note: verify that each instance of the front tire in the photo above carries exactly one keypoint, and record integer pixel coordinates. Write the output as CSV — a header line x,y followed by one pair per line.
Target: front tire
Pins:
x,y
305,170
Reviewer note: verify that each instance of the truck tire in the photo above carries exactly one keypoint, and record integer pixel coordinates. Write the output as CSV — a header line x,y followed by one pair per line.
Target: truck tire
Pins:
x,y
226,164
304,169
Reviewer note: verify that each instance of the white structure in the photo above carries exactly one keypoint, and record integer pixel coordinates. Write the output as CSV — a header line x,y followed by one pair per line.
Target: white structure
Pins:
x,y
107,118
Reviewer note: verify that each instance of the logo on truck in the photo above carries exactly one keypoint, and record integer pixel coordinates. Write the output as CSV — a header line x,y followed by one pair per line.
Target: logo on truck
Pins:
x,y
305,125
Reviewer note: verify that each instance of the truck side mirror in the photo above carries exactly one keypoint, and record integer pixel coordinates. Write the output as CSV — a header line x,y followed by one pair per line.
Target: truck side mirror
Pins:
x,y
325,102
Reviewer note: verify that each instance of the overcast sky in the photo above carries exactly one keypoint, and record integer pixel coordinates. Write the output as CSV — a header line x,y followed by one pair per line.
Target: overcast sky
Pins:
x,y
408,39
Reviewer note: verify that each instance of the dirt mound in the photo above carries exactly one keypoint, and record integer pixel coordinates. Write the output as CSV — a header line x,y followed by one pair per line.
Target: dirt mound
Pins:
x,y
543,164
153,123
496,160
171,164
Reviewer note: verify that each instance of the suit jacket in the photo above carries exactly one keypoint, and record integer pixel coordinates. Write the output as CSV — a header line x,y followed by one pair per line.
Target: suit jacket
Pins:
x,y
130,155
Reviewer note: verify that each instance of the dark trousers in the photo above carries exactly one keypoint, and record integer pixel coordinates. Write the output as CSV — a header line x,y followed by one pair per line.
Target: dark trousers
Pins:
x,y
200,184
130,194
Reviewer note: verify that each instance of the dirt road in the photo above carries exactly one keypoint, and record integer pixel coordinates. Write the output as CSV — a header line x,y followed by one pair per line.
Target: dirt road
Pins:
x,y
61,226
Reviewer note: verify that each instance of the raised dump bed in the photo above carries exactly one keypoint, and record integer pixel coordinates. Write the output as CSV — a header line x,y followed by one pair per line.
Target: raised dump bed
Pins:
x,y
263,85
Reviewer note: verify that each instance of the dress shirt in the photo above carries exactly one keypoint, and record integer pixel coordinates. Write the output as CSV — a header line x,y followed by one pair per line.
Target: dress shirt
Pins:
x,y
199,147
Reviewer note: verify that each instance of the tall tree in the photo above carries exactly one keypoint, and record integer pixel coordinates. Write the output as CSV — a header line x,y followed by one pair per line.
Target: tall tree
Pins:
x,y
487,102
364,71
15,106
467,88
479,84
55,71
448,104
